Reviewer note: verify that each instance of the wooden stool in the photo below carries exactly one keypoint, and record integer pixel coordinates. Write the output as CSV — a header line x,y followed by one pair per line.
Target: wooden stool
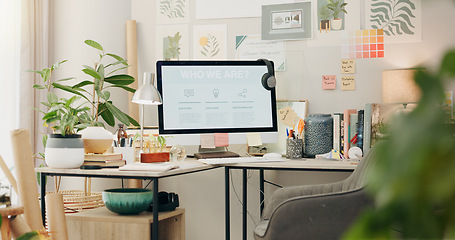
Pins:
x,y
6,212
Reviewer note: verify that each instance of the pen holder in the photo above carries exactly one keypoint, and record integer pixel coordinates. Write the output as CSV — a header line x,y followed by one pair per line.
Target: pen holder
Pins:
x,y
294,148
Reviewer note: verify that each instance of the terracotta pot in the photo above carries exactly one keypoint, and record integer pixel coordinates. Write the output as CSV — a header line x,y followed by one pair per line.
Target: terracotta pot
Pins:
x,y
155,157
96,139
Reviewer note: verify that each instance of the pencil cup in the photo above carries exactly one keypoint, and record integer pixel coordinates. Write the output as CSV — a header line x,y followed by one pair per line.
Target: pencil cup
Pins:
x,y
127,152
294,148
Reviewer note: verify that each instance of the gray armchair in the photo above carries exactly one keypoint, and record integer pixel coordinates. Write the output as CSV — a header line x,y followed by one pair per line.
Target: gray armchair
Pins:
x,y
323,211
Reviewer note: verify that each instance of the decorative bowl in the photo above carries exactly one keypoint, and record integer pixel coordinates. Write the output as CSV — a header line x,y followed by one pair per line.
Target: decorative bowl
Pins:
x,y
127,200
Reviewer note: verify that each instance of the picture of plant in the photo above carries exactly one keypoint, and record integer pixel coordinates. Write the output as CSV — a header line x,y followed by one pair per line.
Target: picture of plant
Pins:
x,y
210,45
337,6
173,8
324,14
171,46
395,17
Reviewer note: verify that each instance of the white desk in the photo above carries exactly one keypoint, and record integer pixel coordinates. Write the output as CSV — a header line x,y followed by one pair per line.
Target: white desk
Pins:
x,y
289,165
192,166
187,166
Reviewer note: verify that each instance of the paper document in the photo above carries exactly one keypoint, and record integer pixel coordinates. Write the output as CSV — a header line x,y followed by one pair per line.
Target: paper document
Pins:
x,y
154,167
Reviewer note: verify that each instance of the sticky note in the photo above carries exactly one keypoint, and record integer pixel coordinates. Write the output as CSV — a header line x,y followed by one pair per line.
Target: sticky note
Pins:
x,y
287,116
207,141
329,81
347,66
254,139
221,139
348,83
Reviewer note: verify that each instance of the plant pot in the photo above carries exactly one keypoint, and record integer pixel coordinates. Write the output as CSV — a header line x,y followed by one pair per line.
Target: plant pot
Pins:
x,y
64,151
96,139
155,157
325,25
336,24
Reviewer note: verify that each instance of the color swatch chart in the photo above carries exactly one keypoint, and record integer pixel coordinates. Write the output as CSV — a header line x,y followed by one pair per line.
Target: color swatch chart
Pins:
x,y
368,43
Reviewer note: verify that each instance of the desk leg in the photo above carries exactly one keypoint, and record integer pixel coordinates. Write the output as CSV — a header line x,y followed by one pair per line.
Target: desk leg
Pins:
x,y
227,203
155,210
43,195
244,201
261,189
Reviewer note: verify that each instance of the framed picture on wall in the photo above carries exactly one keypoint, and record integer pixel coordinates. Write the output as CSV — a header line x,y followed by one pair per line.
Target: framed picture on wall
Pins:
x,y
287,21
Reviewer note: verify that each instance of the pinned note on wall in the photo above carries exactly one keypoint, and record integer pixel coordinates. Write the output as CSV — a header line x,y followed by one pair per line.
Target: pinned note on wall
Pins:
x,y
207,141
347,66
254,139
348,83
287,116
221,139
329,81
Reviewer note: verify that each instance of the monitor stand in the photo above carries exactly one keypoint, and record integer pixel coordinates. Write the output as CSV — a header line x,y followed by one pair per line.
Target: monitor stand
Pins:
x,y
218,152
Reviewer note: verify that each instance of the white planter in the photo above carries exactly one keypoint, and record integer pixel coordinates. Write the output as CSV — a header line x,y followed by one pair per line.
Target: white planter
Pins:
x,y
64,152
96,139
336,24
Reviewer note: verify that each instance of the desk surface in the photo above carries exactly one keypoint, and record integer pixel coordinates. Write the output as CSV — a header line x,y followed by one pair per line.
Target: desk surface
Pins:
x,y
189,166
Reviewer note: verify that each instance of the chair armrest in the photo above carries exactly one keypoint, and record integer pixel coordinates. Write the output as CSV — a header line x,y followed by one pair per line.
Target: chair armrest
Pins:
x,y
283,194
325,216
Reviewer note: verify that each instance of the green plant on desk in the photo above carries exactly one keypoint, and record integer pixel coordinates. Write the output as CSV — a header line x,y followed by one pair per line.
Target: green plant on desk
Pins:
x,y
413,183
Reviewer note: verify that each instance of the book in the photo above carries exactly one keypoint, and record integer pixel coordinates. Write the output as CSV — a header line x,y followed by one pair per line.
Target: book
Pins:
x,y
117,163
353,130
103,156
360,123
367,128
347,121
336,131
342,133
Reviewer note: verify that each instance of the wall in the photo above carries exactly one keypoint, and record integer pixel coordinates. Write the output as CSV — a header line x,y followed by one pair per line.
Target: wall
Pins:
x,y
202,193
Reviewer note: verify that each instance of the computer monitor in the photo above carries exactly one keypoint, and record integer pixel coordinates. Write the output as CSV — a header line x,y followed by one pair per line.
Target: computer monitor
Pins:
x,y
202,97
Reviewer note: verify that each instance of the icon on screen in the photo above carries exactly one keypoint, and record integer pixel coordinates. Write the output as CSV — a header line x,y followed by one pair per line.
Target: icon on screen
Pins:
x,y
216,92
188,92
243,93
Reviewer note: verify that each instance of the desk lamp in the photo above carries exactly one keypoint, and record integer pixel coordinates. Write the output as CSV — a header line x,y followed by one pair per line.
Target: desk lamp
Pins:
x,y
398,86
146,95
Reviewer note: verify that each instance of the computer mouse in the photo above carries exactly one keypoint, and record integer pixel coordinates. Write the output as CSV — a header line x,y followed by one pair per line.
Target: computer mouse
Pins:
x,y
271,155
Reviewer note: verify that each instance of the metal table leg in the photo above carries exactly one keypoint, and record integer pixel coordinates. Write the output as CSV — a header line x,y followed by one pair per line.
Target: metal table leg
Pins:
x,y
43,195
244,202
227,204
155,210
261,189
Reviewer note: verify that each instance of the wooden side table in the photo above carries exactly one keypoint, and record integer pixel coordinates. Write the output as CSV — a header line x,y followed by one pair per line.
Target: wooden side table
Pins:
x,y
100,224
6,212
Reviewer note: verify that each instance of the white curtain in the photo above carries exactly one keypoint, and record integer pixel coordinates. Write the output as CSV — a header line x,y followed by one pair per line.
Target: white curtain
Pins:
x,y
24,30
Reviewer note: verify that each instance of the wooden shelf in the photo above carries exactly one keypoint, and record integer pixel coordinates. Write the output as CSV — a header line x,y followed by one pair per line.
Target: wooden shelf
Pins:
x,y
100,223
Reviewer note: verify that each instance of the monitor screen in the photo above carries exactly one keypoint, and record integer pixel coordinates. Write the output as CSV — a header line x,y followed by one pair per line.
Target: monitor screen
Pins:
x,y
214,97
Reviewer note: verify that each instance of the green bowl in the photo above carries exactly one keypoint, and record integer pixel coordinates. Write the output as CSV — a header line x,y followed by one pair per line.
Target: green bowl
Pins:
x,y
127,200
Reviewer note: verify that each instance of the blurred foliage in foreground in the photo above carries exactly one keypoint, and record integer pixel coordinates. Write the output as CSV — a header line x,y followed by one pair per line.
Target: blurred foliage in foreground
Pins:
x,y
413,183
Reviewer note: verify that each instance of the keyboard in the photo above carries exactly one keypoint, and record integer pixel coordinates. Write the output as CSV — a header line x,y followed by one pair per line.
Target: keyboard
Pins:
x,y
223,161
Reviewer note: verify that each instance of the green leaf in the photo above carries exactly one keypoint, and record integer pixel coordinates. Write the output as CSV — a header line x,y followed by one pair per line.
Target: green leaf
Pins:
x,y
69,89
65,79
37,86
101,71
121,79
448,64
82,84
105,95
92,73
133,121
118,58
94,44
121,116
106,114
52,97
132,90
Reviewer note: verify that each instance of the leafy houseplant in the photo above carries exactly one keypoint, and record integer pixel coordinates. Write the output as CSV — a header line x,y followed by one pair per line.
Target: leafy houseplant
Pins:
x,y
324,14
337,6
413,184
154,149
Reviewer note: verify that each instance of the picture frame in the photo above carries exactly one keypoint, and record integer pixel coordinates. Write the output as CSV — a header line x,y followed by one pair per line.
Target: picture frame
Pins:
x,y
287,21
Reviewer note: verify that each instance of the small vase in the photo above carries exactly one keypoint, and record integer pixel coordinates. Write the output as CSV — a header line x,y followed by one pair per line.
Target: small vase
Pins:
x,y
318,134
96,139
64,151
336,24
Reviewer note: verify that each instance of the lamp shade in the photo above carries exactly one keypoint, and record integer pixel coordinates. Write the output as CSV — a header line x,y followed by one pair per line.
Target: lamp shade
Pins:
x,y
398,86
147,93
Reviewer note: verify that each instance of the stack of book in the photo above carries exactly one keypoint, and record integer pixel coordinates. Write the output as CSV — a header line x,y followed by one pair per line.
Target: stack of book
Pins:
x,y
104,160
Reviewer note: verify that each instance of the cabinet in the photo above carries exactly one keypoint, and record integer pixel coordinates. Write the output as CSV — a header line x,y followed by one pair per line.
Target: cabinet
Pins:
x,y
102,224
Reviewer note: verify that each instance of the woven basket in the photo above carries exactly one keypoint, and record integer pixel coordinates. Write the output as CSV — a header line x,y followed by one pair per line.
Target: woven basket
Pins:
x,y
79,200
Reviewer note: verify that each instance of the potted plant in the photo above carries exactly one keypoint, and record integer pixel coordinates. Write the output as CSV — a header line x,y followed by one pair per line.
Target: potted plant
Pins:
x,y
324,15
154,149
103,78
337,6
